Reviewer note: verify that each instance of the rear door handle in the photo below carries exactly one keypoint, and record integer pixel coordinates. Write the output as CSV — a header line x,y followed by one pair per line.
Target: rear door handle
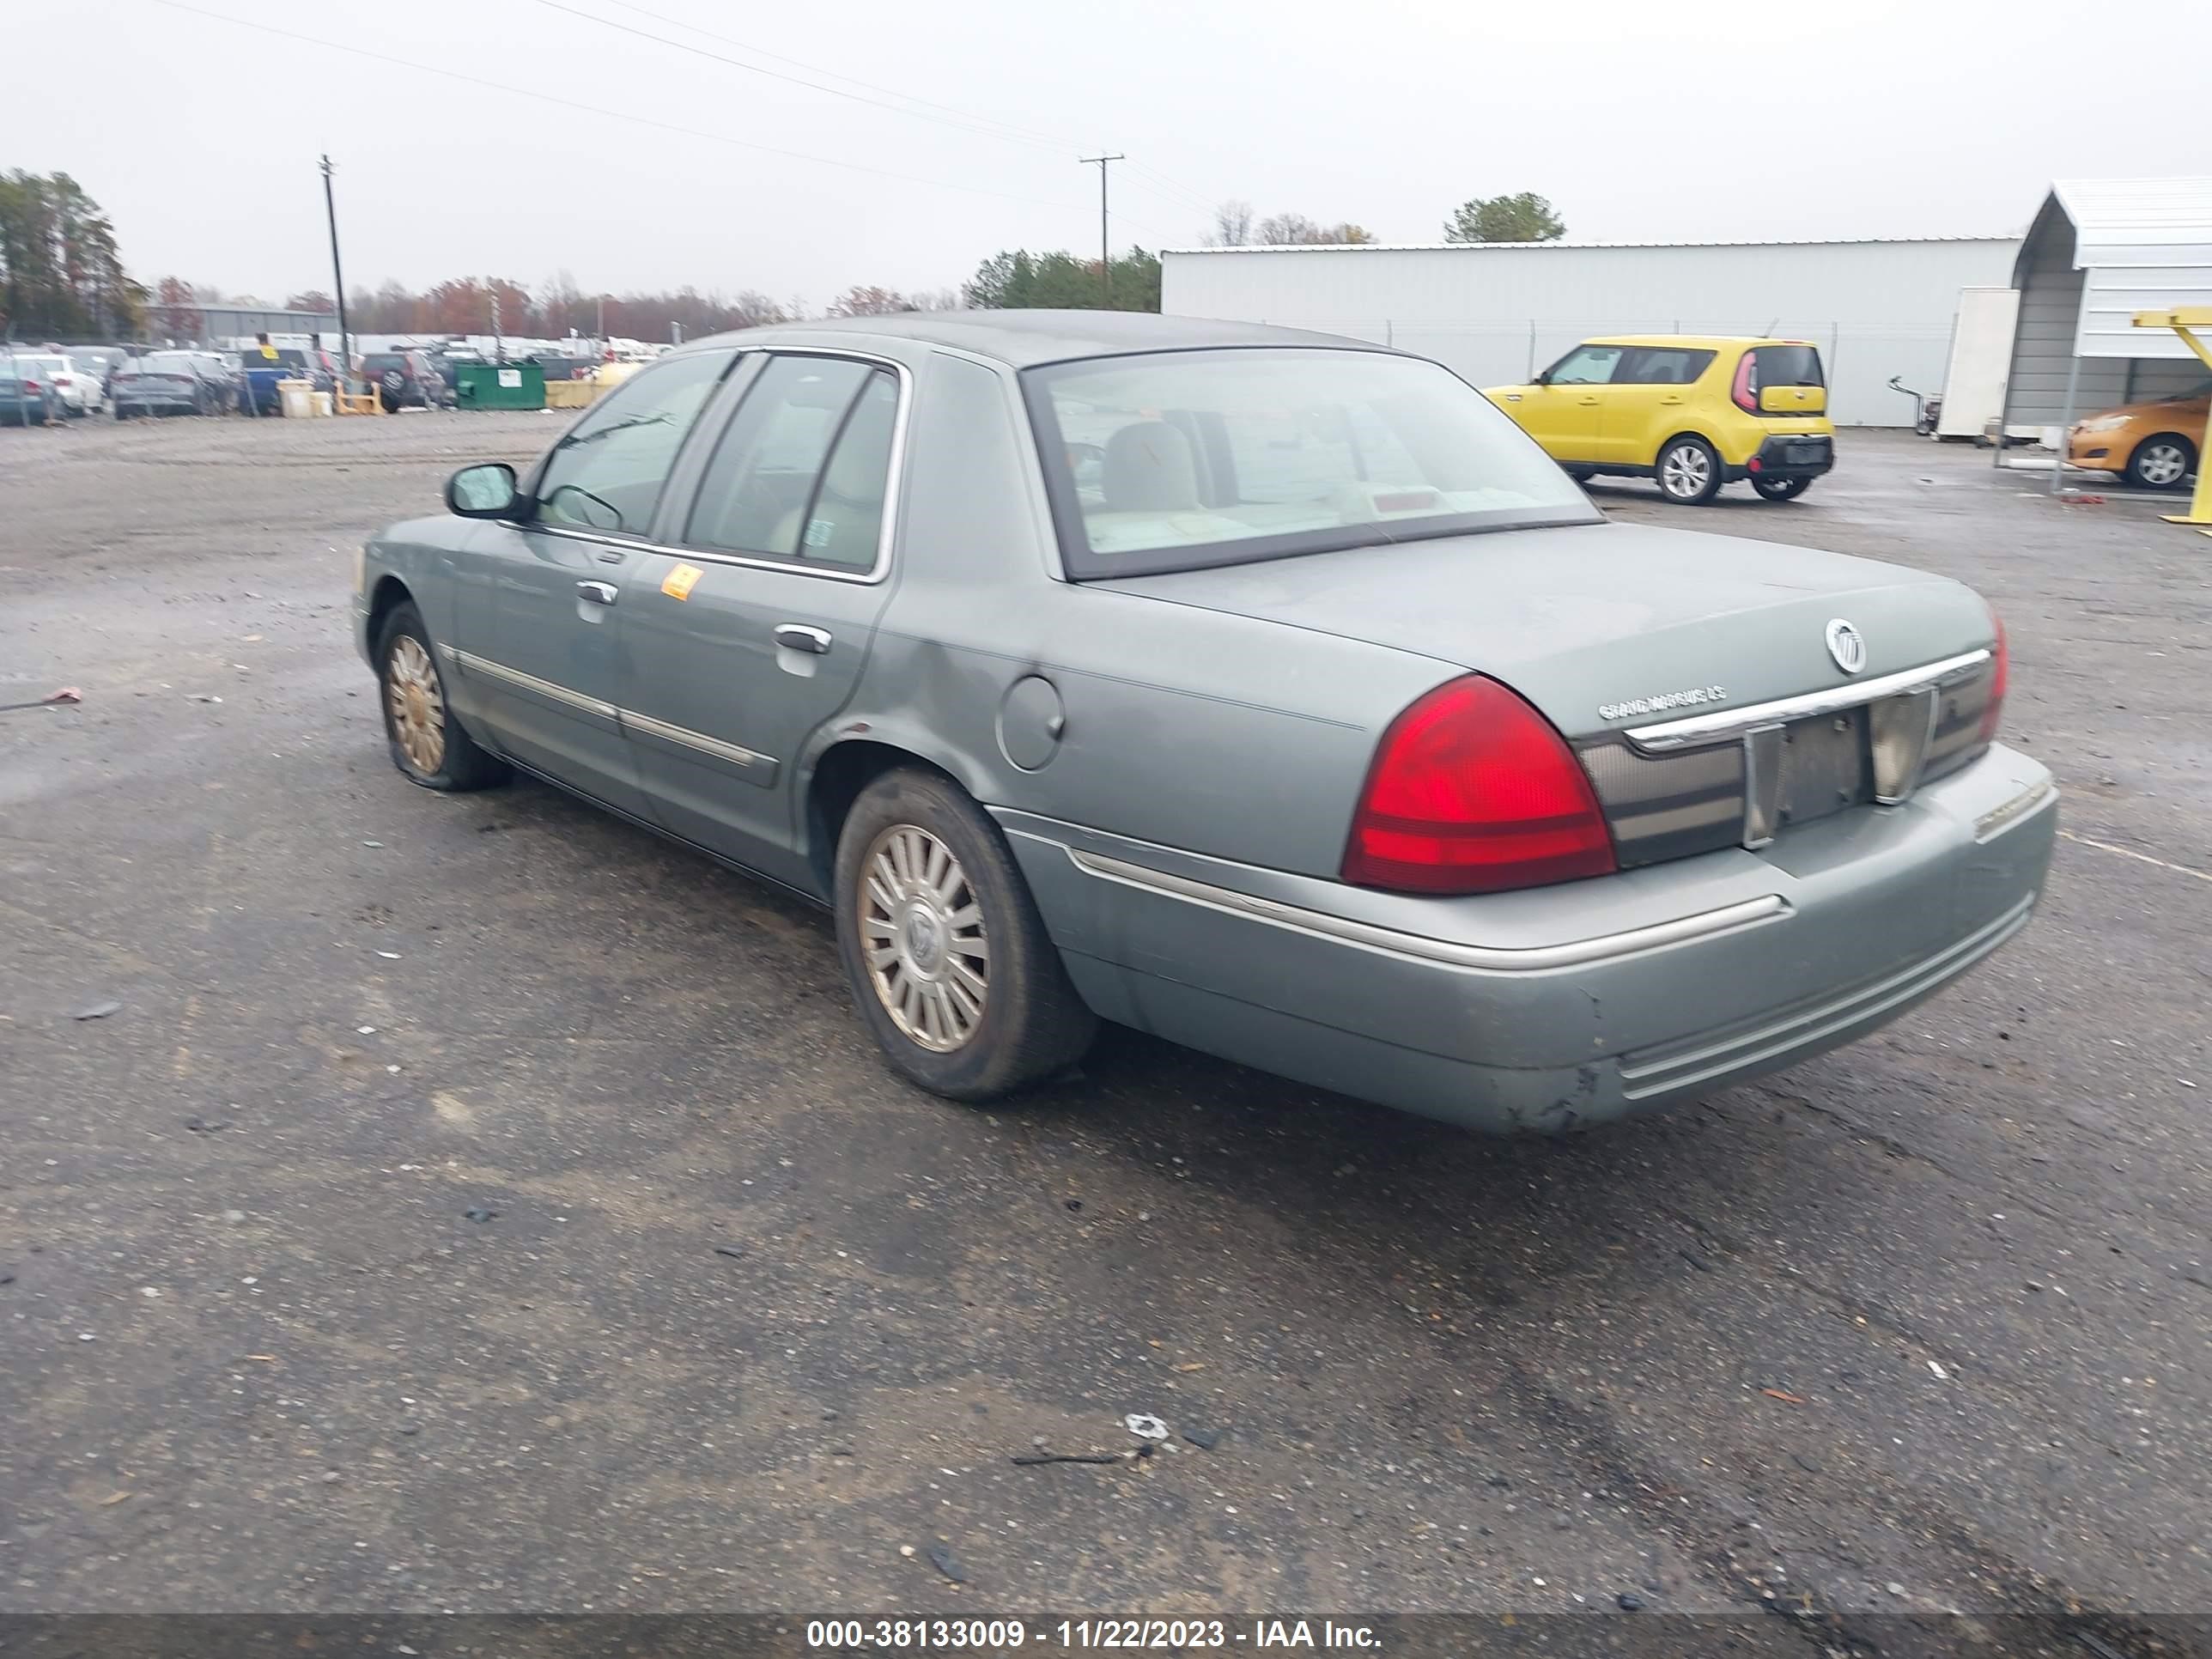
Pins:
x,y
1670,400
598,592
799,637
1586,400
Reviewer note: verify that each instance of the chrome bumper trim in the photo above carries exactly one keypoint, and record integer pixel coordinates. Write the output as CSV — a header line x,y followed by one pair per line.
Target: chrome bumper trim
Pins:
x,y
1733,722
1709,1058
1998,819
1365,935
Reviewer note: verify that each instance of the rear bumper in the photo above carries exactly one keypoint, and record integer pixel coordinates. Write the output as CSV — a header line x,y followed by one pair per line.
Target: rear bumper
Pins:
x,y
1781,457
1555,1009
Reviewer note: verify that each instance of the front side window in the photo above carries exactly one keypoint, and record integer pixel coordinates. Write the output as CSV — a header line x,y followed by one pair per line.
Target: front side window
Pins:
x,y
1177,460
607,473
1586,365
803,471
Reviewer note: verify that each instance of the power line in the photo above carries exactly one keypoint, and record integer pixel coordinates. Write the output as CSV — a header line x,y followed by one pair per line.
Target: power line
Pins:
x,y
1013,130
778,75
595,109
968,121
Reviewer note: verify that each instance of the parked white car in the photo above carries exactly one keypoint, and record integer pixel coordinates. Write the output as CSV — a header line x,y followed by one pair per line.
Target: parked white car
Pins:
x,y
78,383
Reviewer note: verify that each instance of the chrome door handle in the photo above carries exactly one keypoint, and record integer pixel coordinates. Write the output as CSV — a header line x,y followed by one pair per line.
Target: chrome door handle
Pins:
x,y
598,592
799,638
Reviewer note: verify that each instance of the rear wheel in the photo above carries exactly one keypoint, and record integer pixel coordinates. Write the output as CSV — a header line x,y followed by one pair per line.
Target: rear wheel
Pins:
x,y
1579,474
430,746
948,959
1780,490
1688,471
2161,462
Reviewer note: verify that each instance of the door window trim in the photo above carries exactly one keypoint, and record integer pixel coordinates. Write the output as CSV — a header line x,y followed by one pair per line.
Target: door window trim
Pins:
x,y
894,482
528,489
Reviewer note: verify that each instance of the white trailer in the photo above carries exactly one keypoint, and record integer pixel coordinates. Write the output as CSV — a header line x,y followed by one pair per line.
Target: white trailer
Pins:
x,y
1497,312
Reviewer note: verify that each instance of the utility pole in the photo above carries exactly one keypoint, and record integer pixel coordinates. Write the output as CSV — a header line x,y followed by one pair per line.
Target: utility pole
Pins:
x,y
1105,248
603,319
337,276
498,347
675,333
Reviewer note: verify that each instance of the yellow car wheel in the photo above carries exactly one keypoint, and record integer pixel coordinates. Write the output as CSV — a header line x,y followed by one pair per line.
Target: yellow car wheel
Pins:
x,y
2162,461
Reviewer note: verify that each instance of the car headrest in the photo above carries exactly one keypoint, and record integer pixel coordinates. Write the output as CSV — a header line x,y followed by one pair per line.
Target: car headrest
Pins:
x,y
1148,468
858,472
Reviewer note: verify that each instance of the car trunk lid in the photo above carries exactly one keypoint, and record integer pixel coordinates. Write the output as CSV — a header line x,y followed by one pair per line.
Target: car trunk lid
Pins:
x,y
1613,630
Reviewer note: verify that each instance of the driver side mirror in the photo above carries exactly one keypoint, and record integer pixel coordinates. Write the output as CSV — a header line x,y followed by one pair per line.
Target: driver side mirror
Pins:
x,y
482,492
1543,378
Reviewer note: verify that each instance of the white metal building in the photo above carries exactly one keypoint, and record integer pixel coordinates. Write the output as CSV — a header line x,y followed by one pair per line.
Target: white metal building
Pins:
x,y
2100,250
1497,312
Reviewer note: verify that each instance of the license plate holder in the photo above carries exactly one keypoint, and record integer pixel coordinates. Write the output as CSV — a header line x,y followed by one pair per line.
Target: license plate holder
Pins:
x,y
1806,454
1825,767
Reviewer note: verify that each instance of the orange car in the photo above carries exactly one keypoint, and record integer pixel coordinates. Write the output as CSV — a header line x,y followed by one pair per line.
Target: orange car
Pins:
x,y
2154,446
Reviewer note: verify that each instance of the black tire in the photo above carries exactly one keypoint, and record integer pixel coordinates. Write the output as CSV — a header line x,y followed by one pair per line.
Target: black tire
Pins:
x,y
121,414
1780,490
460,763
1031,1023
1694,477
1579,474
2158,453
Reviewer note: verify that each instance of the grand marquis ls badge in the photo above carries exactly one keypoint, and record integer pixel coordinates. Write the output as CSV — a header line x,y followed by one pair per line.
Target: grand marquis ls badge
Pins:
x,y
1847,646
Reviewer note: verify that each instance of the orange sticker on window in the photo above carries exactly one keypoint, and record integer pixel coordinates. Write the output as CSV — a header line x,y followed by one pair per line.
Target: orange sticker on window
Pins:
x,y
678,583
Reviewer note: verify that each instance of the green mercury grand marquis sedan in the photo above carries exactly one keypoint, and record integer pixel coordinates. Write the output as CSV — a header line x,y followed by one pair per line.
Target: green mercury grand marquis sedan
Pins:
x,y
1269,692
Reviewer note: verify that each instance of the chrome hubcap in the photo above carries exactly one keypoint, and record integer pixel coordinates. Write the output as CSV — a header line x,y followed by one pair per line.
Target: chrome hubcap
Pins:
x,y
416,702
922,936
2160,465
1684,470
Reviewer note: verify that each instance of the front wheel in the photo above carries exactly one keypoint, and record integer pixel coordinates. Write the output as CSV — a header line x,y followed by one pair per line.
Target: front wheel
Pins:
x,y
429,745
1780,490
1689,472
948,959
2163,462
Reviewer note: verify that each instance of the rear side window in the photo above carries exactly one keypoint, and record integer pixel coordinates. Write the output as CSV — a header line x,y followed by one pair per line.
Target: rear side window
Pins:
x,y
1784,365
1587,365
1662,366
803,469
607,473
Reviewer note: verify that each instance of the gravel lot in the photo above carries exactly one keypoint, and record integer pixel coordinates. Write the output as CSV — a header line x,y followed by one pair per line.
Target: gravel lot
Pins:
x,y
1921,1325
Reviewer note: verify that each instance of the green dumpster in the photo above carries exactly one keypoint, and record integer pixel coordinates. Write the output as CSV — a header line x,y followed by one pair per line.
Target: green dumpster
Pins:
x,y
499,385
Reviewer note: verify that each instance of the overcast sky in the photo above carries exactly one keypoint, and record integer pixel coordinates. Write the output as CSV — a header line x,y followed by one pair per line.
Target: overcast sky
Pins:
x,y
1845,118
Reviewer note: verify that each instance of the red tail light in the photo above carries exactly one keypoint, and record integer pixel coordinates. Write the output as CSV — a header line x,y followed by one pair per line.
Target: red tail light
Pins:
x,y
2000,674
30,385
1473,792
1741,393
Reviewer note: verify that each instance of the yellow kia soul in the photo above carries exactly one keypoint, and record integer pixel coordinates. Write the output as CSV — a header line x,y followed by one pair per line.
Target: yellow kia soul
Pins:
x,y
1693,411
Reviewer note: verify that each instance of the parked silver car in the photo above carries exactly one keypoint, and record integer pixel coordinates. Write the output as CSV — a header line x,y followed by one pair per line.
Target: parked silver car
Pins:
x,y
1269,692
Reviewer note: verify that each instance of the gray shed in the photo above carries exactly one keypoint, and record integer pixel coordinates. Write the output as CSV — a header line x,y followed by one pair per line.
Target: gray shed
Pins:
x,y
2100,250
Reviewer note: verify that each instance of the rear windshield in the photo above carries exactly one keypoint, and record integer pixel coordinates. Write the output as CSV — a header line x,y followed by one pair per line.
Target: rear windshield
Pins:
x,y
1180,460
1784,365
385,359
167,362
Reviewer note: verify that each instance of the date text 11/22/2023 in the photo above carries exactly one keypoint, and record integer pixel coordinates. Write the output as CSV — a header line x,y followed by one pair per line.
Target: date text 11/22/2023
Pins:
x,y
988,1636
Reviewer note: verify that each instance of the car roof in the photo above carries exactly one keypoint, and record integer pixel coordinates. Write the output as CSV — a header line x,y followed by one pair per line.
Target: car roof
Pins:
x,y
1023,338
1700,342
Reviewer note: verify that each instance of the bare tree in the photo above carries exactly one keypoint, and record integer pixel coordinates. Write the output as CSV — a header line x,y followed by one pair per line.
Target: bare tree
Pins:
x,y
1232,225
1296,230
870,302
